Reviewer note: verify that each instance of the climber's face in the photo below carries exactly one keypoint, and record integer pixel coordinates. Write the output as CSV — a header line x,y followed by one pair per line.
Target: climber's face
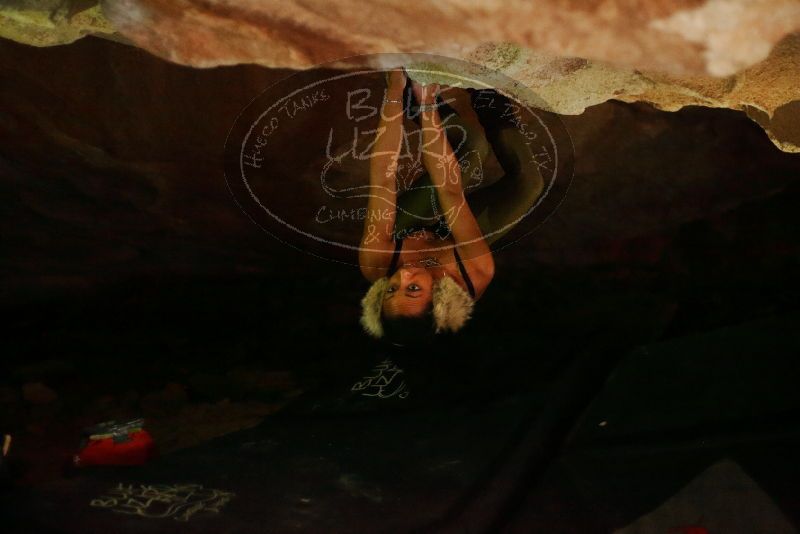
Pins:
x,y
409,293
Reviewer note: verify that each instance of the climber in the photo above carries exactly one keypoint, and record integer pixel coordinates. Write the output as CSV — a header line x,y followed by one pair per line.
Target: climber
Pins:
x,y
423,245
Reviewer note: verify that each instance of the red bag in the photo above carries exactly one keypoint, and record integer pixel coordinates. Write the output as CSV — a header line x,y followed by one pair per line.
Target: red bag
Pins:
x,y
113,443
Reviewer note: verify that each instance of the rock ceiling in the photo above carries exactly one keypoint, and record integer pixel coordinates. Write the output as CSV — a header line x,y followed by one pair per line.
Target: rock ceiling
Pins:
x,y
737,54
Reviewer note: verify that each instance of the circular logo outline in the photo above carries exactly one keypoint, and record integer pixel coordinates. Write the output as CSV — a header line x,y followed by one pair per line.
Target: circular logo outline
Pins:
x,y
475,83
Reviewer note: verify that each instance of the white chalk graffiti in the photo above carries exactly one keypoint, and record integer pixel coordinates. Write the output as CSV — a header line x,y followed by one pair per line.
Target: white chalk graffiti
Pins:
x,y
387,382
161,501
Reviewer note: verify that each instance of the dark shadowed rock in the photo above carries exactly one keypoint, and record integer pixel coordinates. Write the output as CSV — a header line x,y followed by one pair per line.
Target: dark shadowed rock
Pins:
x,y
38,394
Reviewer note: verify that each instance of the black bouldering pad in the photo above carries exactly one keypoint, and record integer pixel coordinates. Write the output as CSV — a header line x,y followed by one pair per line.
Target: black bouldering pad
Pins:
x,y
460,441
391,443
669,412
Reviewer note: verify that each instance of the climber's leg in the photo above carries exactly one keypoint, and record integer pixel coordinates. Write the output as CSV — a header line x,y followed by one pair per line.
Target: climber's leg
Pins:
x,y
418,206
501,206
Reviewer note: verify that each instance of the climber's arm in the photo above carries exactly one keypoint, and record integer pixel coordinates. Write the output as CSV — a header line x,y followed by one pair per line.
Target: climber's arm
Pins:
x,y
445,173
377,243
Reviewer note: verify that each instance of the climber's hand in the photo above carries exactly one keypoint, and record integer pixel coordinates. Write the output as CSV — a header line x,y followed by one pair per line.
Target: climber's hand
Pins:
x,y
396,83
426,94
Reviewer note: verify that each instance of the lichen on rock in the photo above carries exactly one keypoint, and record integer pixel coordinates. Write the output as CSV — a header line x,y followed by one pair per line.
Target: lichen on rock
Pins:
x,y
52,22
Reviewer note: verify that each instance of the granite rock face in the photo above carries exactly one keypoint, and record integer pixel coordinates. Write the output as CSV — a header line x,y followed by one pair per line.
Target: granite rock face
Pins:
x,y
768,92
717,37
737,54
